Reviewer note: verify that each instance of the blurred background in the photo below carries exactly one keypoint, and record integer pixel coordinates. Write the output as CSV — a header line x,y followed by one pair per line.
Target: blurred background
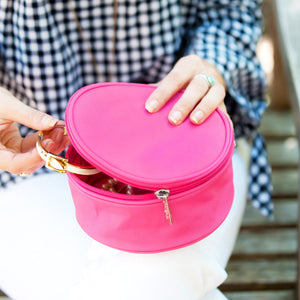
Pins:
x,y
265,261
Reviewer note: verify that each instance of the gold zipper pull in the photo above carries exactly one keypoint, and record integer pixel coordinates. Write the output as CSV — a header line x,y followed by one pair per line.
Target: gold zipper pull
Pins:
x,y
163,195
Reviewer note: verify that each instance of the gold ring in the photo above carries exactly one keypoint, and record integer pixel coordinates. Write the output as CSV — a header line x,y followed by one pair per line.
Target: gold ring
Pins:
x,y
24,174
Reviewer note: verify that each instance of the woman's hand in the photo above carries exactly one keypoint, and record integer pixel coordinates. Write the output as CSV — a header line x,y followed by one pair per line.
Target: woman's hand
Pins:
x,y
199,99
17,154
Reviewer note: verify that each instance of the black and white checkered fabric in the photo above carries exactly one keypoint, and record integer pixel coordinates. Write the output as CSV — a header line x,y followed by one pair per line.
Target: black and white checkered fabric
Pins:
x,y
43,59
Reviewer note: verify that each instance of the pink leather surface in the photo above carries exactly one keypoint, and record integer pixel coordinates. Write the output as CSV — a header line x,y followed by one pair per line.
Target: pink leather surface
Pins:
x,y
138,224
110,128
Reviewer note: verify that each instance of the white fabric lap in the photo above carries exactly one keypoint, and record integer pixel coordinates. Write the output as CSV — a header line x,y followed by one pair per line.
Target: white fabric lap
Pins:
x,y
45,255
43,249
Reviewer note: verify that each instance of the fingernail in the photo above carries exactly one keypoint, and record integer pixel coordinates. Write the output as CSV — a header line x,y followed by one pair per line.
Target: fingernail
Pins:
x,y
49,121
197,117
152,105
66,143
176,117
48,144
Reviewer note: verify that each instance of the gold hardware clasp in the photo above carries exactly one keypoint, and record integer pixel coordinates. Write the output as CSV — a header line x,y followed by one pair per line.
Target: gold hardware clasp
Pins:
x,y
61,164
56,163
163,195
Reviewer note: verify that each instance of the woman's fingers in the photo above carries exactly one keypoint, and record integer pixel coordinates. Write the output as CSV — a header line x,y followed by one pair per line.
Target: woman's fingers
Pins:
x,y
29,142
55,142
29,161
51,146
17,154
60,141
17,163
14,110
176,80
204,90
213,99
195,91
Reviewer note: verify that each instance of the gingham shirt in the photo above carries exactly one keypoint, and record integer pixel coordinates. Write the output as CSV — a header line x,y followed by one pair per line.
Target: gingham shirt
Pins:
x,y
43,59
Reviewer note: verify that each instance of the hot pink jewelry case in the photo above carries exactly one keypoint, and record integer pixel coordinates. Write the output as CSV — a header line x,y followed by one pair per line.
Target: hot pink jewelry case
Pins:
x,y
181,176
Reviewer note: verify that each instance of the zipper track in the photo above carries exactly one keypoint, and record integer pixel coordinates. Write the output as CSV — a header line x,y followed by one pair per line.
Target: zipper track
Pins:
x,y
188,184
139,199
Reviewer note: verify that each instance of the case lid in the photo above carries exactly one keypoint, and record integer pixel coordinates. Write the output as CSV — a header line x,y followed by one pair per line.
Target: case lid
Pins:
x,y
110,128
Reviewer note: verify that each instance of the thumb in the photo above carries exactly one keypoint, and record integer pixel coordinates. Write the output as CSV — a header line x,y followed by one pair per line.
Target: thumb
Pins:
x,y
14,110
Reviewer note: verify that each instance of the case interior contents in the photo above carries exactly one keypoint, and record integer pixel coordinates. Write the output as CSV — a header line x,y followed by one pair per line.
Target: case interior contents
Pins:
x,y
102,180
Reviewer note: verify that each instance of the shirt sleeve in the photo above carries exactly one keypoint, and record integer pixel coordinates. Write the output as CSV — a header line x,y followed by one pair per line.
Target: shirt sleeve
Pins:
x,y
227,35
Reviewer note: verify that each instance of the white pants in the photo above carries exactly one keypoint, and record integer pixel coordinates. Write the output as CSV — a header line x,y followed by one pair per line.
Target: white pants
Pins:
x,y
44,254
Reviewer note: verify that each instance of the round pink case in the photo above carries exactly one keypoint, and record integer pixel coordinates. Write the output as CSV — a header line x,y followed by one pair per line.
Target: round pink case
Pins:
x,y
181,175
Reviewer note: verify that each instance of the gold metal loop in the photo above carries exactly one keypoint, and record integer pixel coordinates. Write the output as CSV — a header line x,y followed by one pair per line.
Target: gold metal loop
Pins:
x,y
58,163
